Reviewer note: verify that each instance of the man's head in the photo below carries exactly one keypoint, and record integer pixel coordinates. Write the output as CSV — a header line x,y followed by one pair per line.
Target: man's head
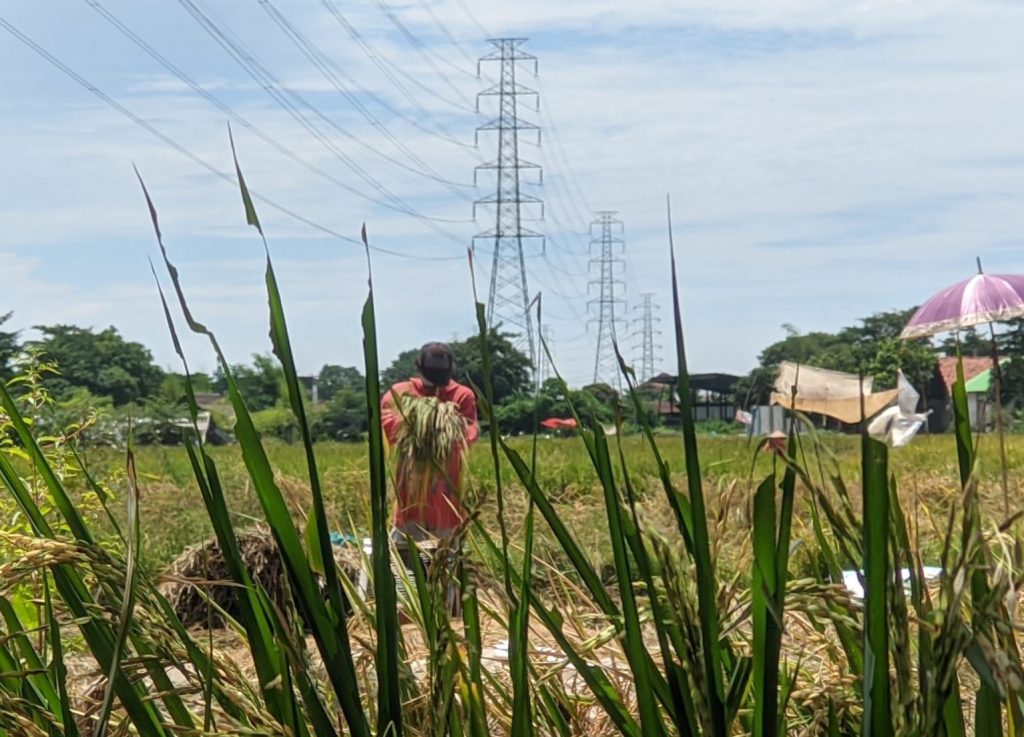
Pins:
x,y
435,363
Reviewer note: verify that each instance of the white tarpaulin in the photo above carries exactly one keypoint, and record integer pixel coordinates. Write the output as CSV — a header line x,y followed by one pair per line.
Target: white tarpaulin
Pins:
x,y
831,393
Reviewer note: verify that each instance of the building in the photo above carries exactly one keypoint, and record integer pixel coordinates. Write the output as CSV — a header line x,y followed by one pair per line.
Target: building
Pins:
x,y
711,396
939,396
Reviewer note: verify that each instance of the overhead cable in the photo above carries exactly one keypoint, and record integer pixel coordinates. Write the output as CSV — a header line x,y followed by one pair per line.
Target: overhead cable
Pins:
x,y
157,133
262,76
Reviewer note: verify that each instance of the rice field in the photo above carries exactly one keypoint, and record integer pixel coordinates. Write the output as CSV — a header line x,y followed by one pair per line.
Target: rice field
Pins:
x,y
173,516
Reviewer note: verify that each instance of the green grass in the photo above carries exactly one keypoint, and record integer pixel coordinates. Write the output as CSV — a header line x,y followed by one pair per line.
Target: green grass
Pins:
x,y
173,516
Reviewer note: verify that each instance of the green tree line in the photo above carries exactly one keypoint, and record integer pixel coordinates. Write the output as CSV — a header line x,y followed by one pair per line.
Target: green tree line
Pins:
x,y
100,372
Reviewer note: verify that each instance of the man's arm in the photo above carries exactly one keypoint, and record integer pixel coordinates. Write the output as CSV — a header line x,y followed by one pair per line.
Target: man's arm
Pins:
x,y
467,408
390,417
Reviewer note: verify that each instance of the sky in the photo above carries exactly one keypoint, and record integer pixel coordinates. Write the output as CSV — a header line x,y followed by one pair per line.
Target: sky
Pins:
x,y
826,160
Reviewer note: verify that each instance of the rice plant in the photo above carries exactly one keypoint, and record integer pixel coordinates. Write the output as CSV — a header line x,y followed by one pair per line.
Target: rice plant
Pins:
x,y
666,640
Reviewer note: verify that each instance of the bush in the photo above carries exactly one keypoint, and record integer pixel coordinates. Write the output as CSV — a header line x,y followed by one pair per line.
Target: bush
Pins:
x,y
276,422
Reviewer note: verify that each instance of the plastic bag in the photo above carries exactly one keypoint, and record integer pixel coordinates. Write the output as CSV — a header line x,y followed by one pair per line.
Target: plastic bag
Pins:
x,y
897,425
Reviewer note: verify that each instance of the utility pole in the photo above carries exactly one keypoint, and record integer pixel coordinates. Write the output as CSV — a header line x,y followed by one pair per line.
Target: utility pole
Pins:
x,y
508,301
606,365
646,332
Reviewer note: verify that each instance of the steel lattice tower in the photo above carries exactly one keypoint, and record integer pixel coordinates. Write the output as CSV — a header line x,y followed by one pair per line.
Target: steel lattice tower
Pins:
x,y
646,332
508,301
605,363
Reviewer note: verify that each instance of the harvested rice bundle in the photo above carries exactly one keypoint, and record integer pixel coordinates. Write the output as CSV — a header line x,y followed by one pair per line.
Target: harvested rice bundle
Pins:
x,y
429,436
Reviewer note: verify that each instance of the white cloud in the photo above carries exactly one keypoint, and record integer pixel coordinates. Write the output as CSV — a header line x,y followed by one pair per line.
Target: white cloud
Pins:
x,y
826,160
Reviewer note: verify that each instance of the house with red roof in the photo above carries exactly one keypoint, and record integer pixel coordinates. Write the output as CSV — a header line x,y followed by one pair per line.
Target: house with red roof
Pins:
x,y
977,378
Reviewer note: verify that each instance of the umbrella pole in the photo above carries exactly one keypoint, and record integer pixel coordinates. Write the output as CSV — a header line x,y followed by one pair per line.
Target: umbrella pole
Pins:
x,y
997,376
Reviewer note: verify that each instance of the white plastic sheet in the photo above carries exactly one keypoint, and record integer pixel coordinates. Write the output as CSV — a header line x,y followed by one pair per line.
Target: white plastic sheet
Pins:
x,y
897,425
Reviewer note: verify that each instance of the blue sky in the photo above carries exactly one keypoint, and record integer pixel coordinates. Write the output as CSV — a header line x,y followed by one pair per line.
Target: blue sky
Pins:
x,y
826,160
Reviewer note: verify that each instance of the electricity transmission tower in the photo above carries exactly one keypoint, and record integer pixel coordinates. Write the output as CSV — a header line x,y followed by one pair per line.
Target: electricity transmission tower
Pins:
x,y
646,331
508,301
605,363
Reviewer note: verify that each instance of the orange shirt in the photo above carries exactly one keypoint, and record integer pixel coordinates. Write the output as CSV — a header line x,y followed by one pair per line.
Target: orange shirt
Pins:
x,y
443,510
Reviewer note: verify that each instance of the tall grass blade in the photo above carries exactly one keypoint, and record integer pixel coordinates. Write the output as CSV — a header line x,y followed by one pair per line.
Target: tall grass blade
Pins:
x,y
679,504
334,650
38,685
987,724
128,595
635,649
706,587
762,595
522,710
321,557
592,675
72,589
255,619
681,707
58,671
877,706
389,700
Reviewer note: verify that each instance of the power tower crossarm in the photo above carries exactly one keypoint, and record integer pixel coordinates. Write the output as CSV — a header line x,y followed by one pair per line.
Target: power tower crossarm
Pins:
x,y
508,300
608,285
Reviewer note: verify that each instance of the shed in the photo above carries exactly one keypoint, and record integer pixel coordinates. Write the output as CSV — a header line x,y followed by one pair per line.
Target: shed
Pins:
x,y
710,394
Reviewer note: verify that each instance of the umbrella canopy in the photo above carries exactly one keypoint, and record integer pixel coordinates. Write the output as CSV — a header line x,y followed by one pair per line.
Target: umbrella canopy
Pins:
x,y
980,299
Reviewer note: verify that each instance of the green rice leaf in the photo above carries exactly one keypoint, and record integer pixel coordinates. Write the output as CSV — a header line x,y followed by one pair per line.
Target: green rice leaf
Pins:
x,y
762,594
877,702
634,647
128,595
389,700
250,209
522,709
707,591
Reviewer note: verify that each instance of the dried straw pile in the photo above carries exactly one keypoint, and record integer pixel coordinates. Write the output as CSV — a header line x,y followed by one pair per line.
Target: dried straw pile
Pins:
x,y
430,435
200,573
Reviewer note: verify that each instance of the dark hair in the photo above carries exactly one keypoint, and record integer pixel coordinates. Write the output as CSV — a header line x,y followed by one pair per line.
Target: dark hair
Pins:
x,y
436,363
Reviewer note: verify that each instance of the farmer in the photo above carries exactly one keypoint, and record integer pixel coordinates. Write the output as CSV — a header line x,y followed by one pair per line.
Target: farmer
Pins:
x,y
442,513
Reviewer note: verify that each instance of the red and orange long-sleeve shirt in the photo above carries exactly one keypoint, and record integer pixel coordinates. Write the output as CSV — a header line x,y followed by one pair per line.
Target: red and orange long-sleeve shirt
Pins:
x,y
443,510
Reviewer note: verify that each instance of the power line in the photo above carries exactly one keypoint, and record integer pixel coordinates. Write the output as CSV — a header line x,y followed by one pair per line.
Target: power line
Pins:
x,y
214,100
262,76
425,53
549,120
152,130
472,17
447,32
385,68
331,71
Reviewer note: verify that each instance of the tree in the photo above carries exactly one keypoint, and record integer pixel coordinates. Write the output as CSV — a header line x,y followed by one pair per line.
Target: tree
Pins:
x,y
872,348
518,413
401,369
972,343
342,418
104,363
9,348
510,367
333,379
262,383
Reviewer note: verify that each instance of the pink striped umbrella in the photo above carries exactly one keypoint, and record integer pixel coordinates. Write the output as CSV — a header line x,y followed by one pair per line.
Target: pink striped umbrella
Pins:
x,y
982,298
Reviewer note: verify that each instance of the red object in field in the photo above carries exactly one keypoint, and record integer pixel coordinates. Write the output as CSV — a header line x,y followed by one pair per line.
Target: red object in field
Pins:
x,y
556,423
